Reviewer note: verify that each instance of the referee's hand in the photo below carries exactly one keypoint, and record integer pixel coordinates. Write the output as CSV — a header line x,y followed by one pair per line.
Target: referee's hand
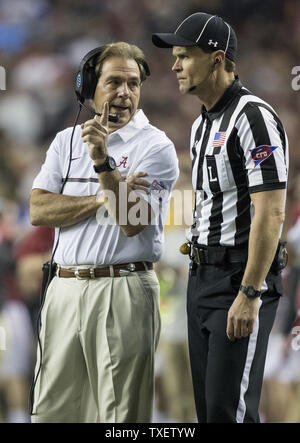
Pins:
x,y
241,317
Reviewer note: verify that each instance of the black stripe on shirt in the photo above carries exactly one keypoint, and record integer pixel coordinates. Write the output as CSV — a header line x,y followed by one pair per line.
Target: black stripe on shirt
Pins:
x,y
202,154
230,110
267,187
243,217
279,125
216,216
196,141
194,152
280,128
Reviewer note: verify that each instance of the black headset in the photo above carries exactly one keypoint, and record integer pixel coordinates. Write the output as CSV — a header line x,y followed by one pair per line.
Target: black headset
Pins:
x,y
86,78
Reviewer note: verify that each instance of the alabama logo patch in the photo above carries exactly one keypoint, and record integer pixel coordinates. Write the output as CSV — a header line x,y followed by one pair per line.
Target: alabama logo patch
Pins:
x,y
123,162
261,153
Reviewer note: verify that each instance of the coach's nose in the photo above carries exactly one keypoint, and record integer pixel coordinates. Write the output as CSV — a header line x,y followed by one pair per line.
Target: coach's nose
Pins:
x,y
123,90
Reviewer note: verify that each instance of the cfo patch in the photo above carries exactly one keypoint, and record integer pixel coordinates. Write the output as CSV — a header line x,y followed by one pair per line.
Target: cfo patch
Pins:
x,y
261,153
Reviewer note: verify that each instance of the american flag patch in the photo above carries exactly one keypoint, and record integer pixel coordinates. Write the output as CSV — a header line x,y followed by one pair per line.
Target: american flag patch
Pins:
x,y
219,139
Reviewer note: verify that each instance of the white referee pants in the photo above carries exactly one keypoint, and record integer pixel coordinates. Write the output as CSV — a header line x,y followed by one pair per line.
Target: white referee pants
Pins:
x,y
98,341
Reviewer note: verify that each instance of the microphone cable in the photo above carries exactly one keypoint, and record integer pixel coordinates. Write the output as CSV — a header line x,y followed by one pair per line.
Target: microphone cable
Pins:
x,y
51,265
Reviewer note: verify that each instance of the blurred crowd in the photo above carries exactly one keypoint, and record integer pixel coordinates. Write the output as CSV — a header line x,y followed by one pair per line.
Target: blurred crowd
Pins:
x,y
41,44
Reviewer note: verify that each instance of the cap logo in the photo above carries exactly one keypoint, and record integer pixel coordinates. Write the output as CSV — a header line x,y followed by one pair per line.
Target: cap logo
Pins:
x,y
215,44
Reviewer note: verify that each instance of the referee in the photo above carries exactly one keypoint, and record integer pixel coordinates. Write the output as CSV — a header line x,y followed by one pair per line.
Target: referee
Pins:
x,y
239,153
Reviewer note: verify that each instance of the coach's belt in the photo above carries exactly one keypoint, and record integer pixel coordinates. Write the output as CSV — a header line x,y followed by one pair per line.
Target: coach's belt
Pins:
x,y
106,271
217,255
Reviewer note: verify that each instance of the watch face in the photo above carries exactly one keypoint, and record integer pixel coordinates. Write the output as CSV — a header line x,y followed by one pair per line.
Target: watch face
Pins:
x,y
111,162
251,291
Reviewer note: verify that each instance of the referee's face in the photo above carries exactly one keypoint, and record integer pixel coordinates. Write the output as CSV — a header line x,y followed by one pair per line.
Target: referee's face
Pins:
x,y
192,67
119,84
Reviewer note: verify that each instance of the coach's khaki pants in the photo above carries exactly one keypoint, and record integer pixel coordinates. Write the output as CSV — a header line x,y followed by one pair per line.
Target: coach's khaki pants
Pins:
x,y
98,340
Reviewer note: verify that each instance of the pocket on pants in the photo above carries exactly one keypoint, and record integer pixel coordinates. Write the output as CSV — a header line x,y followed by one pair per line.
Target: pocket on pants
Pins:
x,y
150,288
149,285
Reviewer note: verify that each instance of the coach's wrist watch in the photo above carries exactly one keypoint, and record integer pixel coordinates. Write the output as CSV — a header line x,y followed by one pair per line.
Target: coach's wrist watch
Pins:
x,y
108,165
250,292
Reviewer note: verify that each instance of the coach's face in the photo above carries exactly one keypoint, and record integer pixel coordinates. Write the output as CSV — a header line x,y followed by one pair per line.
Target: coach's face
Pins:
x,y
192,67
119,84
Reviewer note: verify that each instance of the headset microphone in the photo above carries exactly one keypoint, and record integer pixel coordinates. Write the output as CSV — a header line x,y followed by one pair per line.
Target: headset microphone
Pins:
x,y
111,117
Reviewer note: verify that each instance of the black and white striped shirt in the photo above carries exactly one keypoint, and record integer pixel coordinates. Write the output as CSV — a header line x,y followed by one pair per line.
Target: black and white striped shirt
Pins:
x,y
238,148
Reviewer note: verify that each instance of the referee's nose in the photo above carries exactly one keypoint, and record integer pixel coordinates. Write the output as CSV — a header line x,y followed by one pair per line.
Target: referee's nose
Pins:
x,y
177,66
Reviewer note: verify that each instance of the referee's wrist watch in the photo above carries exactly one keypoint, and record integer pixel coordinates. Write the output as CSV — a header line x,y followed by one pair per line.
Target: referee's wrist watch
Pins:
x,y
108,165
250,292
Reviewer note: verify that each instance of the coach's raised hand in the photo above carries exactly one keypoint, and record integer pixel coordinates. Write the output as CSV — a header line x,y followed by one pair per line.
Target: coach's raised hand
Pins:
x,y
94,133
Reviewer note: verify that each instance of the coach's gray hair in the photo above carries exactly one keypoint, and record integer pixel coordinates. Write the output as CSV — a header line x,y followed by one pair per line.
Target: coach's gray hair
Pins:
x,y
123,50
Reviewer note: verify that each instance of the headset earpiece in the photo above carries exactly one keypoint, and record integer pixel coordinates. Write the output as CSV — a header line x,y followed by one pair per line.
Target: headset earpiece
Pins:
x,y
216,62
86,79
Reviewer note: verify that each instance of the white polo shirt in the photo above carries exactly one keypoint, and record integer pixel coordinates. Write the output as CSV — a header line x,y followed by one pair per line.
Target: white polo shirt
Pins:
x,y
137,147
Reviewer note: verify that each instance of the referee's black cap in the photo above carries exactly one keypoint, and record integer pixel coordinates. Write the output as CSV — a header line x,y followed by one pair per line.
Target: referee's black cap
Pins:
x,y
204,30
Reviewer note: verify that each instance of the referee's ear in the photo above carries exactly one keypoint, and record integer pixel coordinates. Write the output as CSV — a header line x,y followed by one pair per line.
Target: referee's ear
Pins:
x,y
218,58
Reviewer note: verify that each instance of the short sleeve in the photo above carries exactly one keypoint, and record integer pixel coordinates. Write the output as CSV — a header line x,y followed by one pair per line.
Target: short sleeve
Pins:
x,y
50,175
263,145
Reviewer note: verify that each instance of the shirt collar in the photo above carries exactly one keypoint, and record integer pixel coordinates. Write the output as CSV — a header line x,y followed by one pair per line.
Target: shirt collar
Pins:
x,y
224,101
138,122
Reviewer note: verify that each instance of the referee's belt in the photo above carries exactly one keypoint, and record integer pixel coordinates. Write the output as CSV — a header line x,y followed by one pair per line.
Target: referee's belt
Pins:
x,y
118,270
217,255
